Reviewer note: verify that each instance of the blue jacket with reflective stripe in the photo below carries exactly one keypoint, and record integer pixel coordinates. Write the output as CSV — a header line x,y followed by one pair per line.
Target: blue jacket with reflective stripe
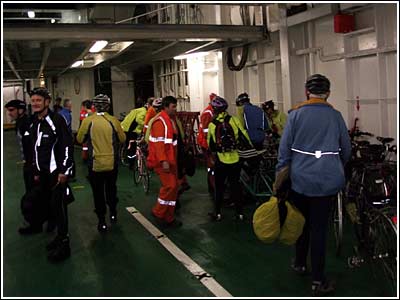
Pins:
x,y
316,145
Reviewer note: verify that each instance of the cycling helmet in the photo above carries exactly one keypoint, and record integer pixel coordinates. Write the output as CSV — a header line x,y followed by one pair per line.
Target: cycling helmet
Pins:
x,y
101,102
219,104
318,84
41,92
268,104
244,97
212,96
157,102
18,104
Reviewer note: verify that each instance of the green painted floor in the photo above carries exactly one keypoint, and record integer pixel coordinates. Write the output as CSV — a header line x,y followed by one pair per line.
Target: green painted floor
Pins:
x,y
128,262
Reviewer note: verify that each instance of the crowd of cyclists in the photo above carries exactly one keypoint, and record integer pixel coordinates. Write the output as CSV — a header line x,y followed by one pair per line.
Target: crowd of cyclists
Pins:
x,y
314,147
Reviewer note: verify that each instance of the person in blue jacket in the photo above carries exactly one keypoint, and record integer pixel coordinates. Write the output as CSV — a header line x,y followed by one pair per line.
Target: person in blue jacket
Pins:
x,y
315,145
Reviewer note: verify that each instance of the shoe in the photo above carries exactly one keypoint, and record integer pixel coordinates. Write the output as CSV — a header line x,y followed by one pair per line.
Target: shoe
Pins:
x,y
51,226
240,217
102,227
319,288
54,243
215,217
61,252
30,230
113,217
174,224
299,270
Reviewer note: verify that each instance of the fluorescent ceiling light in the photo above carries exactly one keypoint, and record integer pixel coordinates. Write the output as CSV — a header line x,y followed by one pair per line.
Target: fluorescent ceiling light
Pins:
x,y
31,14
191,55
76,64
98,46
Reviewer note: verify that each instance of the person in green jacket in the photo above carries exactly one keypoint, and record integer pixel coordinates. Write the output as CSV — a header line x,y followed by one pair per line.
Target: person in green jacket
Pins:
x,y
102,132
133,126
224,134
276,118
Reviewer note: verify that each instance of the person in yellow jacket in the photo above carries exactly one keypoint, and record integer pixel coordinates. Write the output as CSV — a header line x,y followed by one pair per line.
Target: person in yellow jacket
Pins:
x,y
102,132
224,134
133,125
276,118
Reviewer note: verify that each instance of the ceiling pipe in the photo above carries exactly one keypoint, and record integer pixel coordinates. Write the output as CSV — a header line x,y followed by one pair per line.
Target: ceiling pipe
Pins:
x,y
46,54
10,63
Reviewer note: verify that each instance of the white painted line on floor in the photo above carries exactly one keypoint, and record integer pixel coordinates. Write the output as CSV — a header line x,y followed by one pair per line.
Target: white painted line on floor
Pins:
x,y
205,278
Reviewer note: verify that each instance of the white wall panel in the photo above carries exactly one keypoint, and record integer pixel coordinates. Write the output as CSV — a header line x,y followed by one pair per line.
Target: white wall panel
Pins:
x,y
65,88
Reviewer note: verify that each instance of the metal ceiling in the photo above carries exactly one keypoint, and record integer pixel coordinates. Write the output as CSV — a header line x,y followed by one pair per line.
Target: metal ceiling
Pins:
x,y
31,49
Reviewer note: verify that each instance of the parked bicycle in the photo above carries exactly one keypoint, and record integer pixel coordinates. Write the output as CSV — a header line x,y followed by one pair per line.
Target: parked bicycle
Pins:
x,y
141,173
370,197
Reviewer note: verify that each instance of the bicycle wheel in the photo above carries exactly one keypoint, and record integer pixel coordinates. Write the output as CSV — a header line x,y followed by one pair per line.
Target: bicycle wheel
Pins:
x,y
122,155
338,222
145,176
136,170
382,237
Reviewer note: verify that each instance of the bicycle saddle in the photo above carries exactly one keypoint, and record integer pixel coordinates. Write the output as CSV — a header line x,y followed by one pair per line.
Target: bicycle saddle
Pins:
x,y
385,140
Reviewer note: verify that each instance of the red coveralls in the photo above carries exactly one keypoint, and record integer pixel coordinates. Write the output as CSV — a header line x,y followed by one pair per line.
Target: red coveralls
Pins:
x,y
163,147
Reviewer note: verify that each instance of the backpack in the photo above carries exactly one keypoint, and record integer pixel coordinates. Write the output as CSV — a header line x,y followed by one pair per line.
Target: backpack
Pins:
x,y
254,119
224,136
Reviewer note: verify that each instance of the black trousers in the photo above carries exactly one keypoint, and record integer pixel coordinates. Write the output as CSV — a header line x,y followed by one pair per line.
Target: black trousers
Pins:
x,y
56,207
104,187
28,177
316,211
232,173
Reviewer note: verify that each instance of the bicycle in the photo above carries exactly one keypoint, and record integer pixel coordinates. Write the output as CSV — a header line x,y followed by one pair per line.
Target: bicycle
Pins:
x,y
338,222
140,171
371,208
122,155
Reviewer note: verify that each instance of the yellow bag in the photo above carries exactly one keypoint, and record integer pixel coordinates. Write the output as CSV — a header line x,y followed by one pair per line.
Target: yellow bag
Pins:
x,y
266,221
293,226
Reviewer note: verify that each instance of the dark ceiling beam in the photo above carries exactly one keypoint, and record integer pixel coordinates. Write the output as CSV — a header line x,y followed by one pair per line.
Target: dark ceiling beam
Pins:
x,y
46,52
10,63
121,32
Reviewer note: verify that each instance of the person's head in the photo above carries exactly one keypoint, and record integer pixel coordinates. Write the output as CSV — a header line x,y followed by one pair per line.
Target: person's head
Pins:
x,y
57,101
15,108
317,86
268,107
88,104
169,105
212,96
40,99
149,102
158,104
67,104
101,103
219,105
242,99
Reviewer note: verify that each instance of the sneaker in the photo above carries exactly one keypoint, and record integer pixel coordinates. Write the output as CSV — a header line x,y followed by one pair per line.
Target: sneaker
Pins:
x,y
299,270
113,217
240,217
61,252
319,288
51,226
54,243
30,230
102,227
174,224
216,217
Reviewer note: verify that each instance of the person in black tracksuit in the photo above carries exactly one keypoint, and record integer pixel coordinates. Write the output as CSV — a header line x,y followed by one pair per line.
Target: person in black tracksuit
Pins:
x,y
52,163
17,111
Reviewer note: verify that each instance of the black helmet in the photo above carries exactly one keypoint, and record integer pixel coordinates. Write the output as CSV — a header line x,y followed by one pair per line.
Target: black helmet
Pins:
x,y
318,84
219,104
268,104
244,97
101,102
18,104
41,91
